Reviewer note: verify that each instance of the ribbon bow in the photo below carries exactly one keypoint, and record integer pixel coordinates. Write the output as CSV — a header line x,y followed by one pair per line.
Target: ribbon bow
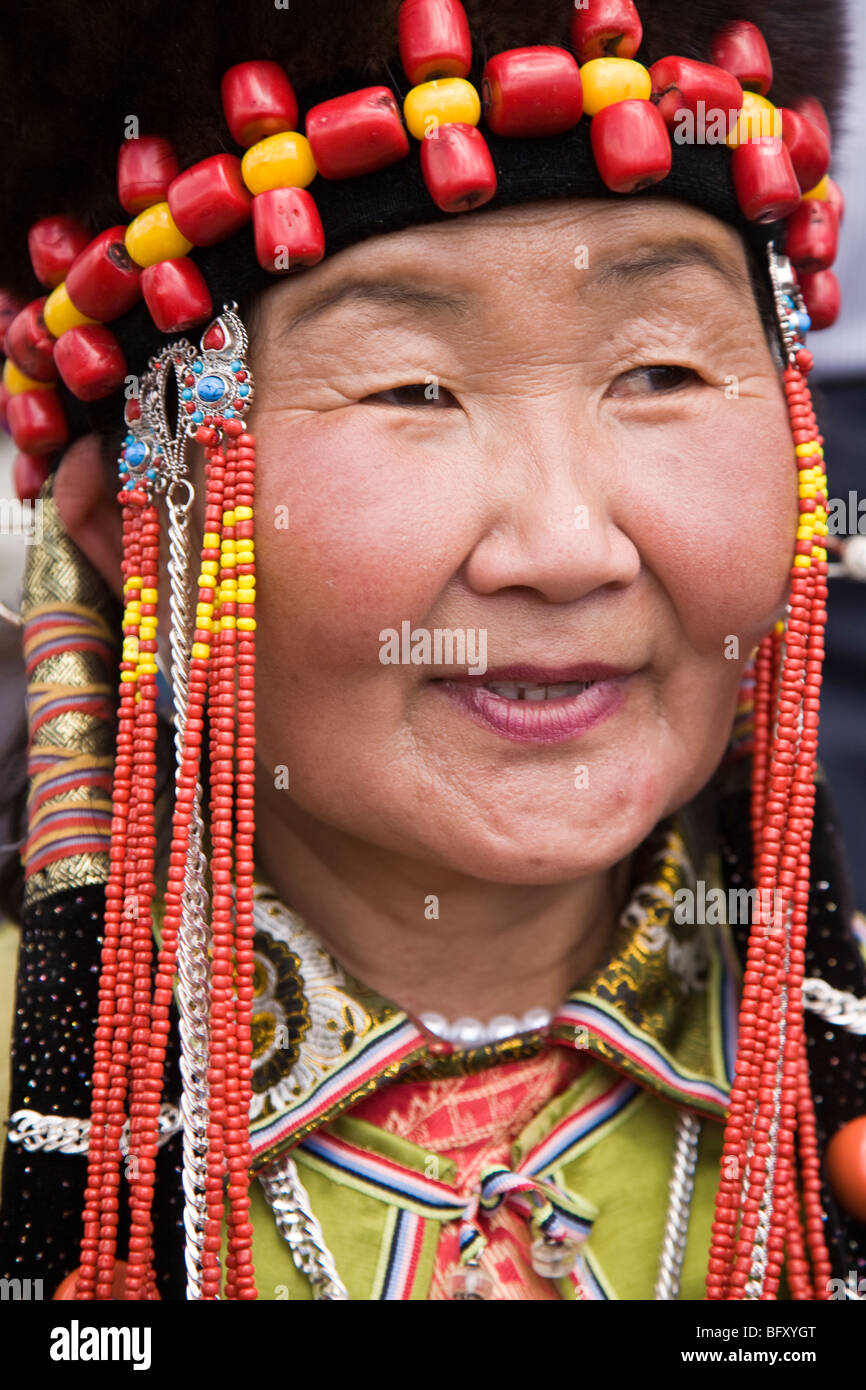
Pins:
x,y
543,1205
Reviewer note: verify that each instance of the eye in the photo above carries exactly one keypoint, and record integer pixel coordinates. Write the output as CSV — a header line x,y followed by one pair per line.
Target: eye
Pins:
x,y
416,393
652,381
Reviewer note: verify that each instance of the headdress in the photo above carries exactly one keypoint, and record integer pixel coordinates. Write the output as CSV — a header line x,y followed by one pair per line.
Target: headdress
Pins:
x,y
593,105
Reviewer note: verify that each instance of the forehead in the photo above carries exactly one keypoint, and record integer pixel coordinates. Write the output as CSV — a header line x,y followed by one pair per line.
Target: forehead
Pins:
x,y
613,249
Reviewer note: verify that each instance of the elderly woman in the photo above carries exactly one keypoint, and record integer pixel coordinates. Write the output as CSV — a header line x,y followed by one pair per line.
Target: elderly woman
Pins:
x,y
528,700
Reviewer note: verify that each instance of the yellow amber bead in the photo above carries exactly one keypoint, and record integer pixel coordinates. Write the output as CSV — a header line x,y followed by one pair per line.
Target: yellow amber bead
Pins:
x,y
821,191
153,236
608,80
758,119
279,161
60,313
243,513
444,101
247,624
17,383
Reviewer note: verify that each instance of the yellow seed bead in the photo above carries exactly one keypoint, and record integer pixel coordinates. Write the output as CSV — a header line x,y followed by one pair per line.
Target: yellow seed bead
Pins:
x,y
148,668
130,649
246,581
821,191
247,624
247,549
147,633
279,161
133,582
60,313
608,80
803,561
243,513
806,450
210,567
149,595
229,517
758,119
128,676
441,102
204,622
227,621
153,236
17,383
211,540
201,649
248,596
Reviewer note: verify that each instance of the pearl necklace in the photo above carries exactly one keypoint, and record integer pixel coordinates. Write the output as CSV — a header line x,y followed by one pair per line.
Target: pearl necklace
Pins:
x,y
471,1032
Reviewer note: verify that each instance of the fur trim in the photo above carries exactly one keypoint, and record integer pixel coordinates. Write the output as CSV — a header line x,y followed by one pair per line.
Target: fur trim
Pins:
x,y
73,76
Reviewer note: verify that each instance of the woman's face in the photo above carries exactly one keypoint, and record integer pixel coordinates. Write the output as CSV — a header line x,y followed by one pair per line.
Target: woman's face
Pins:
x,y
559,430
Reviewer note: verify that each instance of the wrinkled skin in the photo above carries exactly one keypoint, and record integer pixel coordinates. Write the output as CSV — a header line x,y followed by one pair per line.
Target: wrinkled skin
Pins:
x,y
638,386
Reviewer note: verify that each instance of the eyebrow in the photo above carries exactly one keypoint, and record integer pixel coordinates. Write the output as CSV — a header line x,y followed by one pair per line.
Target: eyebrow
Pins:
x,y
395,293
678,255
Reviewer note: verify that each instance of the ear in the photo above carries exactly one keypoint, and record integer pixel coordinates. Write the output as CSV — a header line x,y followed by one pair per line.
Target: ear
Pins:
x,y
85,493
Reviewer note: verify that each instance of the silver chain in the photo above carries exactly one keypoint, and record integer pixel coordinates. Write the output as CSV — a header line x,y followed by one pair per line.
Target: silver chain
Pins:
x,y
193,942
836,1006
299,1228
66,1134
680,1192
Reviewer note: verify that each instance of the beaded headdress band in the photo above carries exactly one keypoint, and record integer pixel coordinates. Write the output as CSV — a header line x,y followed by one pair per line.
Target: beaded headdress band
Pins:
x,y
779,164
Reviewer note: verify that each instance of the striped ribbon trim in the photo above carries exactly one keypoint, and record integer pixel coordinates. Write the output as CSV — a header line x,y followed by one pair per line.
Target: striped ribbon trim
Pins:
x,y
416,1198
69,808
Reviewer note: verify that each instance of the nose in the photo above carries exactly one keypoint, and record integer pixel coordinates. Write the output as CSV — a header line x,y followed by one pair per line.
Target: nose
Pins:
x,y
554,523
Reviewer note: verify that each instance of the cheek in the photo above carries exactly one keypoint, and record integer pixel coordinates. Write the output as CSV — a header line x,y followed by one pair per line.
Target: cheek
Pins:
x,y
724,519
369,539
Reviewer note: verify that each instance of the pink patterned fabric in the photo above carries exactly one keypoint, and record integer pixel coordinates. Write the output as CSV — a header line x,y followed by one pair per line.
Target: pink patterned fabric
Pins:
x,y
474,1120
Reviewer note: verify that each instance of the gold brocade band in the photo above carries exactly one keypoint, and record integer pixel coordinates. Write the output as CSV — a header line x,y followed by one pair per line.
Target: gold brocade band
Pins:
x,y
69,627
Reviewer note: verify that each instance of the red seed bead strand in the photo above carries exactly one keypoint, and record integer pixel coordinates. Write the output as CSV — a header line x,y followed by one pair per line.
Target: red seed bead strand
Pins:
x,y
221,980
100,1226
221,702
762,730
239,1160
145,1091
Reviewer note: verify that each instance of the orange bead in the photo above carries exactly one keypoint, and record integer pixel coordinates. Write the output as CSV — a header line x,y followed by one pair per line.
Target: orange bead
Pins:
x,y
846,1167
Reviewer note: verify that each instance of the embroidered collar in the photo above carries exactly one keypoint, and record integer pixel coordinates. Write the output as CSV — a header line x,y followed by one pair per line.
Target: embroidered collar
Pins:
x,y
661,1009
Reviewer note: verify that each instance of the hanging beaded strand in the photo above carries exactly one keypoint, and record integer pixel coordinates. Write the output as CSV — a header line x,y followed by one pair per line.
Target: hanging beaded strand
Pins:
x,y
771,1099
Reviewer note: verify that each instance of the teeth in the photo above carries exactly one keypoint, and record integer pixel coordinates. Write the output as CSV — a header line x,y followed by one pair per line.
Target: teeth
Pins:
x,y
523,690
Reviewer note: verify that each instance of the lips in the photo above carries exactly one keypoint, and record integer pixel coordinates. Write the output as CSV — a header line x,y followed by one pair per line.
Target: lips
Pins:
x,y
530,703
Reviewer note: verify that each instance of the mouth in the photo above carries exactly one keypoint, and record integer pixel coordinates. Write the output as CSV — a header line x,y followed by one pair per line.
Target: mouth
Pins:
x,y
529,704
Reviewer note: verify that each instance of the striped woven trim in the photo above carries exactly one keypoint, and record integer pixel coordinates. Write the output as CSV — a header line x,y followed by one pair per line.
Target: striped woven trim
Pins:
x,y
395,1279
616,1041
389,1049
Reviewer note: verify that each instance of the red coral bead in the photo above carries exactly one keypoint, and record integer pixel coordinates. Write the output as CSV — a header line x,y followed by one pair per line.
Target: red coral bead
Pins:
x,y
258,100
5,398
740,48
29,472
811,108
145,168
682,84
90,361
9,308
356,133
764,180
808,147
532,91
104,282
30,345
631,145
823,297
210,200
458,168
176,294
37,422
812,236
846,1167
53,243
836,198
606,29
288,230
434,40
